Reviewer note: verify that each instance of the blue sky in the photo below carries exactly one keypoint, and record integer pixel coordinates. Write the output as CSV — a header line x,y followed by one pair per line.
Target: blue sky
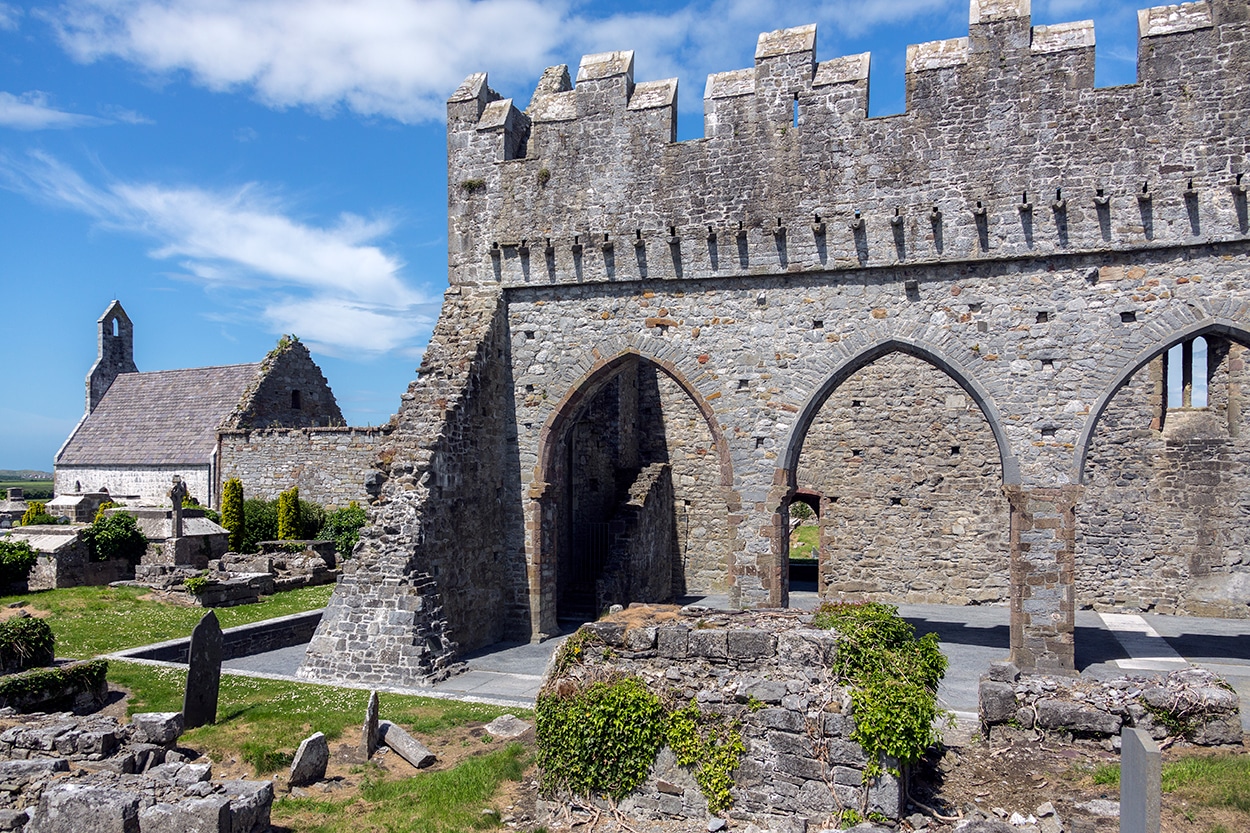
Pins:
x,y
233,170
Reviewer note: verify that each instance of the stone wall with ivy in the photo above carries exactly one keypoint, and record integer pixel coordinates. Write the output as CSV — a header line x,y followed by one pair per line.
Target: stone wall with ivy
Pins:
x,y
759,727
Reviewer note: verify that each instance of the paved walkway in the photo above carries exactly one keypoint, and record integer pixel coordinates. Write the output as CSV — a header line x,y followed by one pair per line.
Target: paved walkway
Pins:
x,y
1107,645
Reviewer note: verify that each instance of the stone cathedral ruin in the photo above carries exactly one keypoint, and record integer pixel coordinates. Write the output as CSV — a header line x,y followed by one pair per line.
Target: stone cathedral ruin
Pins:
x,y
997,341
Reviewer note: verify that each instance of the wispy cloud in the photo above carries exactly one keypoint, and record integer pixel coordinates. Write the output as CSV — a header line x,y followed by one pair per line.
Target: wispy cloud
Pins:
x,y
9,16
31,111
332,283
401,58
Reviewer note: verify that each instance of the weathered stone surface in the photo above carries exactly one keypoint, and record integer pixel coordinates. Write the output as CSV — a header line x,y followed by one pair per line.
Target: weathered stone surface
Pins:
x,y
997,701
196,815
13,819
250,803
1062,714
507,727
311,759
369,731
67,807
405,745
199,704
162,728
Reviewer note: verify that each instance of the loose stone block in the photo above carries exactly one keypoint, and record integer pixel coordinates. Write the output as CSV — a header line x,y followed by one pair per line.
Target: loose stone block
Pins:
x,y
672,642
311,759
196,815
161,728
66,807
405,745
712,643
507,727
997,701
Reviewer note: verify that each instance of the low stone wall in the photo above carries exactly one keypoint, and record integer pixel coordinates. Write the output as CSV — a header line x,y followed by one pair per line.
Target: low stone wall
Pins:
x,y
72,567
125,777
74,685
769,672
1190,702
243,641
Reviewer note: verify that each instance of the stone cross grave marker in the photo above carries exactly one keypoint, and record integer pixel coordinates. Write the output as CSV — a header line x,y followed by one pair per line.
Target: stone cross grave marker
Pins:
x,y
176,494
1141,772
199,705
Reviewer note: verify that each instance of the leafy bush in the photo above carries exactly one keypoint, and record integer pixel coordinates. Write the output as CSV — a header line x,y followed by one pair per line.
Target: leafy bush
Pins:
x,y
260,523
312,517
288,514
343,526
79,677
600,740
232,512
16,559
115,536
37,514
25,643
894,678
195,584
103,510
189,502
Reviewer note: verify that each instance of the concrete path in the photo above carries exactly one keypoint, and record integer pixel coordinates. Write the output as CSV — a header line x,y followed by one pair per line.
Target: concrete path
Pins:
x,y
1107,645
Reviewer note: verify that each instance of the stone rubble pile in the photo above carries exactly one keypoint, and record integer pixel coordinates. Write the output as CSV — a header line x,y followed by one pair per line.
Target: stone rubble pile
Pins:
x,y
65,774
238,578
1191,701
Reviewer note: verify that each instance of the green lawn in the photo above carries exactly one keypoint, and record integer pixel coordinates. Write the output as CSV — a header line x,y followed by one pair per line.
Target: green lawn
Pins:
x,y
803,540
89,621
32,489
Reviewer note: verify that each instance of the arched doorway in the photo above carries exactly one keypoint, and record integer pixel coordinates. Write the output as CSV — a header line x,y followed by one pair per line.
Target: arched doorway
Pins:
x,y
1162,522
910,475
635,480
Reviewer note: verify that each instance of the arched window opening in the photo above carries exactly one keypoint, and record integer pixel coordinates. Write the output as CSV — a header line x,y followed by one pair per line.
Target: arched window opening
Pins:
x,y
114,323
295,402
1186,374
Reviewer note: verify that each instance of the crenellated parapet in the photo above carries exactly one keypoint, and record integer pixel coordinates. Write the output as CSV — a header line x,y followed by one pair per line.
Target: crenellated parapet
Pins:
x,y
1006,149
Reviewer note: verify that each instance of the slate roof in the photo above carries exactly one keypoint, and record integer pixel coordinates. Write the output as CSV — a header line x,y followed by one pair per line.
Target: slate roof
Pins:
x,y
161,417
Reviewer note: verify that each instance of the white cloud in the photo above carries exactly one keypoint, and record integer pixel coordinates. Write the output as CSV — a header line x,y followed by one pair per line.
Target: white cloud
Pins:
x,y
31,111
401,58
333,284
8,17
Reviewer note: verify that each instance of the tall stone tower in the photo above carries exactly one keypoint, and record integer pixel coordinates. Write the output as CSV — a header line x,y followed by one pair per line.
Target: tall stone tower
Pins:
x,y
115,353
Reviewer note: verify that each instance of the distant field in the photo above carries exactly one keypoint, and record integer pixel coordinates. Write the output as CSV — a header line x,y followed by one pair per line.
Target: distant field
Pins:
x,y
31,489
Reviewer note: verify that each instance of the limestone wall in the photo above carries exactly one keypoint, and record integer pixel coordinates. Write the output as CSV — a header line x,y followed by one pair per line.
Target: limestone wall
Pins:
x,y
1162,526
328,464
910,485
150,484
290,391
643,547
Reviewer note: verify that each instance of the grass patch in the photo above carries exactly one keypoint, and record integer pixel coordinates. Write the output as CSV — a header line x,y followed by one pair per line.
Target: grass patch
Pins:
x,y
263,721
89,621
804,541
1220,780
429,802
1211,780
31,489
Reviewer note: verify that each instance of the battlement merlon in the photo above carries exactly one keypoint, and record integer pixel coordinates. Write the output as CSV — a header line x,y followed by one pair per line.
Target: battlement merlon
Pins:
x,y
598,156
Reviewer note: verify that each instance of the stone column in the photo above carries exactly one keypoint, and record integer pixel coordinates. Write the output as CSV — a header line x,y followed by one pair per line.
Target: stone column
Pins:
x,y
541,568
1043,543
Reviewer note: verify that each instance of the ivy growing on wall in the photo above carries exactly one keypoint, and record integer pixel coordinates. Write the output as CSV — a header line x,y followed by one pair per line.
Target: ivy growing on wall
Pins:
x,y
893,676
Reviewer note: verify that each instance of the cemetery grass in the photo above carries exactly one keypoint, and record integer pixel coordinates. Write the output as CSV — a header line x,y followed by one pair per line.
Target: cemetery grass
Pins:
x,y
261,723
89,621
803,540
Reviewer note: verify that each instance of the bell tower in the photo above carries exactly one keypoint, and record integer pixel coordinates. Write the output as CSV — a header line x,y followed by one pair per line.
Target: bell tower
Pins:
x,y
115,353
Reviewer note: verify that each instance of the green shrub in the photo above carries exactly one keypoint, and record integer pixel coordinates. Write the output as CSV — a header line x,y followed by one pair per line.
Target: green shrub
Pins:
x,y
103,510
893,676
343,527
232,512
288,514
26,643
710,745
16,559
189,502
36,514
312,517
599,740
195,584
115,536
260,523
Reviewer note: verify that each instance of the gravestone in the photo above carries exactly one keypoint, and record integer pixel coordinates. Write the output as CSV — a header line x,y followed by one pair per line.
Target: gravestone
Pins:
x,y
369,734
176,495
199,705
1141,772
311,759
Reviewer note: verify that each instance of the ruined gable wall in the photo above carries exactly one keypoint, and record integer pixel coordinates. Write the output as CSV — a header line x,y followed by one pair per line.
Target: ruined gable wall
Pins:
x,y
290,392
440,568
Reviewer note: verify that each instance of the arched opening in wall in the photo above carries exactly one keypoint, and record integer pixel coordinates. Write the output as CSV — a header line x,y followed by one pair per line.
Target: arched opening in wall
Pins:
x,y
636,511
113,326
910,479
1161,523
803,553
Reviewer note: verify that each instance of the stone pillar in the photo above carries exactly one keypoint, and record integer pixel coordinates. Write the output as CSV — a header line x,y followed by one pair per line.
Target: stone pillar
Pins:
x,y
1043,543
541,567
